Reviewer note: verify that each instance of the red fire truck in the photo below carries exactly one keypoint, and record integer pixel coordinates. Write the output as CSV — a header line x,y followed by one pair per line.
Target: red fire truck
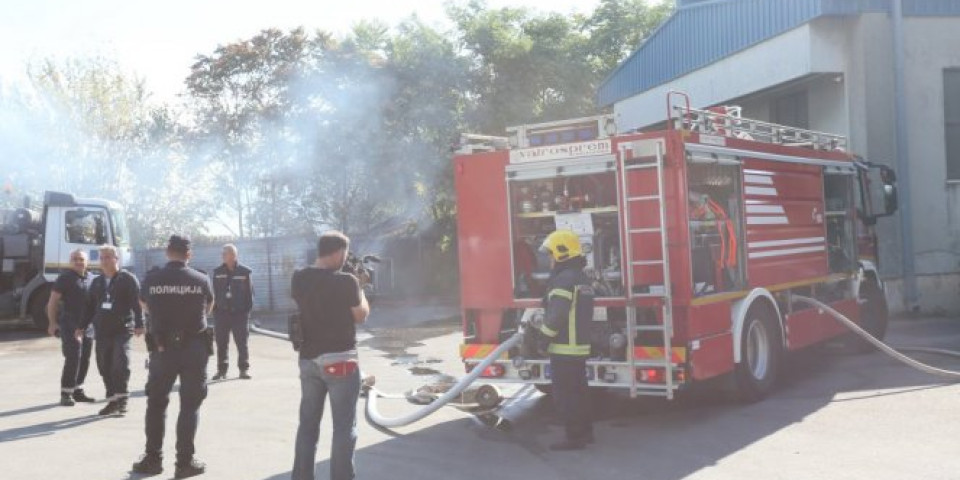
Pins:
x,y
697,236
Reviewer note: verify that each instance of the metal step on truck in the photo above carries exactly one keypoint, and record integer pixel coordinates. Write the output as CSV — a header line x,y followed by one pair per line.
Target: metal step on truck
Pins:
x,y
36,242
696,237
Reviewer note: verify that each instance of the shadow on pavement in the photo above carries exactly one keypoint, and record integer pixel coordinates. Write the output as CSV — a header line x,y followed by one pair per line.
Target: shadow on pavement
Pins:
x,y
20,333
24,411
48,428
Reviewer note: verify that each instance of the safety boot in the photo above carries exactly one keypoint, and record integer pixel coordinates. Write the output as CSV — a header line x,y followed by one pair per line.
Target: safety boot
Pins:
x,y
66,400
189,469
111,408
149,465
221,374
79,396
244,375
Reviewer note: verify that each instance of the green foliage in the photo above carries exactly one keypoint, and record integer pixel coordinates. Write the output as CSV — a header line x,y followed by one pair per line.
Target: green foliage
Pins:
x,y
617,27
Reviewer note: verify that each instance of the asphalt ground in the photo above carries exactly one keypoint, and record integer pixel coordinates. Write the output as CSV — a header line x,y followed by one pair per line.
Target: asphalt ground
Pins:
x,y
834,416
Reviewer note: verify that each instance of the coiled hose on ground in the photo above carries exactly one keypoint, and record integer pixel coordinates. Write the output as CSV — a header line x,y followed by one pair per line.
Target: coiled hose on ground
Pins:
x,y
373,394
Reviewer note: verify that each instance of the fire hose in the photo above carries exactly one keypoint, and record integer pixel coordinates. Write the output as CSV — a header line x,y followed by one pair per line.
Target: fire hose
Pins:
x,y
392,422
883,347
373,394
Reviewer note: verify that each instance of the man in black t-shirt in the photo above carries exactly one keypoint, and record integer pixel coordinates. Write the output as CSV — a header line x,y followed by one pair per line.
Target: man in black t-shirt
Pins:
x,y
71,288
331,303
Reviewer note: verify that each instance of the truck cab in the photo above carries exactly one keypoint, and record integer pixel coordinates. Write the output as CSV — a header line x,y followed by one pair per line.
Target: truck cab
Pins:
x,y
37,242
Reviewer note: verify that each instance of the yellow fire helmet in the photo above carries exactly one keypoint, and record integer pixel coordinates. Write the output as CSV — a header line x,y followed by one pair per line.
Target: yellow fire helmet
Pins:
x,y
562,245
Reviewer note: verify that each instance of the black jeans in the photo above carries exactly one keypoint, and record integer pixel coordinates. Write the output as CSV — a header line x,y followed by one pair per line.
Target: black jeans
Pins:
x,y
113,361
76,359
226,323
571,395
189,362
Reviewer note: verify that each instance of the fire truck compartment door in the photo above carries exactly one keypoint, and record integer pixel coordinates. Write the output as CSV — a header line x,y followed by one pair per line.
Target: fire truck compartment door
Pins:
x,y
561,168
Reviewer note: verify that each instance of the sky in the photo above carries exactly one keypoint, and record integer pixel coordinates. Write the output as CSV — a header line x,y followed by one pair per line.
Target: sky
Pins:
x,y
159,40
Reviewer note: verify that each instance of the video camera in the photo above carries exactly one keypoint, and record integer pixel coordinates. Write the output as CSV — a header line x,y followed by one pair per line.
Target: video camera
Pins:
x,y
359,266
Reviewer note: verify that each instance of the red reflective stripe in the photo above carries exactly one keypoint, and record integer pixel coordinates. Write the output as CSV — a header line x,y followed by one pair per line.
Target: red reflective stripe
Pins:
x,y
476,351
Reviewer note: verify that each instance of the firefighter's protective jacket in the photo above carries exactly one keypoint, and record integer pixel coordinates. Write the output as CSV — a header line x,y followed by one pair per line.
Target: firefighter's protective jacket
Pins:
x,y
569,309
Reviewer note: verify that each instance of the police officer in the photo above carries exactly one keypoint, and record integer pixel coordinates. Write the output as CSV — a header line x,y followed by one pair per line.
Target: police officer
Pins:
x,y
233,290
178,299
567,319
76,345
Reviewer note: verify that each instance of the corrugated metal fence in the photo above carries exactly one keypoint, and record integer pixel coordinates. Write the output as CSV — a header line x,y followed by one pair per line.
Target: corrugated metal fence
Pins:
x,y
273,261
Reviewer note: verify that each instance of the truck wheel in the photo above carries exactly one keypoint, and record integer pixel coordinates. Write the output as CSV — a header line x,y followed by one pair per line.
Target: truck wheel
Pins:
x,y
874,317
38,308
760,354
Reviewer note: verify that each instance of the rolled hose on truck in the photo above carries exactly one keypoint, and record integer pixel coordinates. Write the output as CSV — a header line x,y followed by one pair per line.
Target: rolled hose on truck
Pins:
x,y
393,422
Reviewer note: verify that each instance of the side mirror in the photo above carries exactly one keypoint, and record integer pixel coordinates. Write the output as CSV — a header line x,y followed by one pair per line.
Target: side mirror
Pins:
x,y
882,189
890,201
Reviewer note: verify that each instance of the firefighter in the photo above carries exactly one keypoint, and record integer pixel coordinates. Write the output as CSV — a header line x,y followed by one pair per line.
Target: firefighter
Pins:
x,y
233,292
178,300
567,319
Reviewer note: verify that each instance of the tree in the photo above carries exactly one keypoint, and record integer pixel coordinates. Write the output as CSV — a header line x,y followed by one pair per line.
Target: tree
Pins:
x,y
525,68
93,130
618,27
242,93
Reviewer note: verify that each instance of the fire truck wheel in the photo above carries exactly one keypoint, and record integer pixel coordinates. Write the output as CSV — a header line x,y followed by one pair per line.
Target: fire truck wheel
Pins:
x,y
38,308
760,354
874,315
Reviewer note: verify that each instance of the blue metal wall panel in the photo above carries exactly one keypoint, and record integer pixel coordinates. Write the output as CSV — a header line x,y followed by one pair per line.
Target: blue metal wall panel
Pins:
x,y
700,34
931,8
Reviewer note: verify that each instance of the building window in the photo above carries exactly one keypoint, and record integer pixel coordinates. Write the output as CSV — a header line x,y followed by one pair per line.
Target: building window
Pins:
x,y
951,116
792,110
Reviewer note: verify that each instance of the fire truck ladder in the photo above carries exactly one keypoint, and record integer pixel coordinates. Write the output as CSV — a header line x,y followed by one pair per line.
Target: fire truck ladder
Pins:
x,y
728,123
639,196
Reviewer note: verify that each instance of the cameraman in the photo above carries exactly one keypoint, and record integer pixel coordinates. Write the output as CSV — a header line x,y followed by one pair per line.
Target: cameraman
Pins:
x,y
331,303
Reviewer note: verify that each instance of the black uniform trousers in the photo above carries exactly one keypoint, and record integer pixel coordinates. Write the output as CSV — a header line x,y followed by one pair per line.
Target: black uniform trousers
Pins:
x,y
189,362
226,323
571,395
113,361
76,358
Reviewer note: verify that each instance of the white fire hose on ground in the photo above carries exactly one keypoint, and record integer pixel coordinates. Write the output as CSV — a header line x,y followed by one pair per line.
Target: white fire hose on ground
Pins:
x,y
393,422
883,347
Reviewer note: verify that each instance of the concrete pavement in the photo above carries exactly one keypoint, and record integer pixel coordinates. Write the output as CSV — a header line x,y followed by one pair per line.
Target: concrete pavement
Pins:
x,y
834,416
